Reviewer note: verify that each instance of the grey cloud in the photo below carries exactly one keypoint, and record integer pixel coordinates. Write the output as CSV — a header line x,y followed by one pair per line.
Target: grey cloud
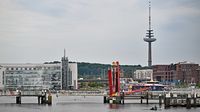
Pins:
x,y
98,31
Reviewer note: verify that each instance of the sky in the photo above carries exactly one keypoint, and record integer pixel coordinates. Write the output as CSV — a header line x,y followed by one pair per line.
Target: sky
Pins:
x,y
99,31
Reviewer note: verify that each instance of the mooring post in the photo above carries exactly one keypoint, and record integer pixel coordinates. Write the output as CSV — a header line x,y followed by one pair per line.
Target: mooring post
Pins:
x,y
43,97
167,100
122,98
195,100
188,101
175,99
160,99
147,97
118,99
39,100
104,99
111,100
49,99
18,97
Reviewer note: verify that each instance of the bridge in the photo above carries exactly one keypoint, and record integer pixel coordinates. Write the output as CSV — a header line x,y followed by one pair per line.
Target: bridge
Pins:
x,y
40,94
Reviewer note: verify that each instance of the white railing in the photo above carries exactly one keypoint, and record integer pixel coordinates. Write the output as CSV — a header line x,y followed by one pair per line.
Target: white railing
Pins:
x,y
31,93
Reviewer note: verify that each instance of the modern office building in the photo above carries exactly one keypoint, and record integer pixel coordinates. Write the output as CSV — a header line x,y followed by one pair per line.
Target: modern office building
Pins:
x,y
2,69
66,74
31,76
53,76
69,74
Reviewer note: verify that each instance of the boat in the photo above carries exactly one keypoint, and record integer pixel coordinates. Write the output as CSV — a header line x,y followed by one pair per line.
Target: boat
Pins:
x,y
131,88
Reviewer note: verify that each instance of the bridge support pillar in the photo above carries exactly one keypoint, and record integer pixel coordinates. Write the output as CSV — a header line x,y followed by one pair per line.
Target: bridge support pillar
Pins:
x,y
18,99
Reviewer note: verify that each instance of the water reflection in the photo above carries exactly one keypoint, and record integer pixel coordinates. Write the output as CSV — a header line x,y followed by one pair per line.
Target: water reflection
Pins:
x,y
113,106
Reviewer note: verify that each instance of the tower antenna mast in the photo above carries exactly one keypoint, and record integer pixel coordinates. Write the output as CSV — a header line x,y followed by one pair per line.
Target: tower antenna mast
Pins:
x,y
149,38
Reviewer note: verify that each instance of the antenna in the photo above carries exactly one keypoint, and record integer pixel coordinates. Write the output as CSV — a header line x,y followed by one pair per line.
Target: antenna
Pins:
x,y
64,53
149,37
149,15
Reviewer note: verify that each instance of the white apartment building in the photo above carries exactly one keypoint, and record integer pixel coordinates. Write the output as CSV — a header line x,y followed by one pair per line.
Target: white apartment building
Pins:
x,y
74,68
144,74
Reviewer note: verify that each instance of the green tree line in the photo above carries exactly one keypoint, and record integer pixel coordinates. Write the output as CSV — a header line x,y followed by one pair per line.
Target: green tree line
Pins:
x,y
94,70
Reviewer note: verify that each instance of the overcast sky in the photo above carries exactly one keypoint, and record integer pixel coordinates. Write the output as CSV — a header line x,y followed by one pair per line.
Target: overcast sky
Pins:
x,y
101,31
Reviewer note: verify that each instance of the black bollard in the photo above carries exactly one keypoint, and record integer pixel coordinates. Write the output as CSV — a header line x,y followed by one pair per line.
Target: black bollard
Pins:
x,y
188,102
175,100
167,100
118,99
18,100
18,97
123,98
39,100
147,98
160,99
104,99
45,97
42,99
195,100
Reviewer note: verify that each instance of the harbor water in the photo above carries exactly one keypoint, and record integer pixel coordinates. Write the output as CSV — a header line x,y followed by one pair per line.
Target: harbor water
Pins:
x,y
80,104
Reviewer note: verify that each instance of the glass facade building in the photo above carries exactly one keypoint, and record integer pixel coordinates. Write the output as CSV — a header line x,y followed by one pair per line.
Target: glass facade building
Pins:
x,y
31,76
